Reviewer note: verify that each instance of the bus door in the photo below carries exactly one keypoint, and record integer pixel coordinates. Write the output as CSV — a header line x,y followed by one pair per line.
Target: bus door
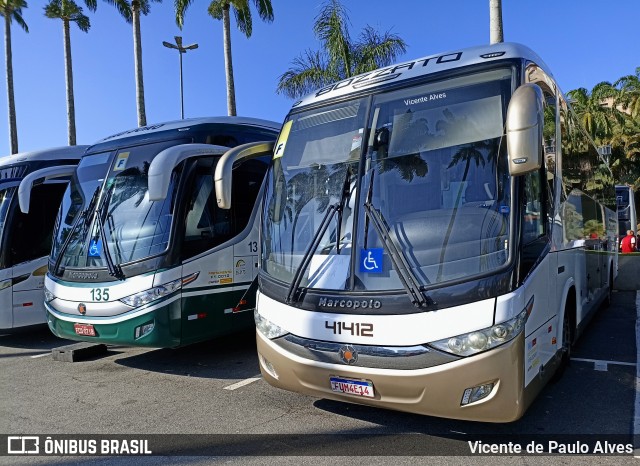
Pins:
x,y
29,234
206,250
222,245
26,243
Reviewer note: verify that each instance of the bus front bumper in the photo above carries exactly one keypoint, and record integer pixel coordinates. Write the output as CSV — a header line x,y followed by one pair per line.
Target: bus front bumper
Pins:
x,y
435,391
158,328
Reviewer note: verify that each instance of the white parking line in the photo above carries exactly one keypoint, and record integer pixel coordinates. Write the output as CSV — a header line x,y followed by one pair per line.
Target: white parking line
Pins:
x,y
41,355
636,409
242,383
602,363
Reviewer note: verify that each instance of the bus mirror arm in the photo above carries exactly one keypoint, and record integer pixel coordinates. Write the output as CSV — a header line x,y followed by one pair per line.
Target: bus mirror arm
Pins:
x,y
162,165
26,185
524,129
224,168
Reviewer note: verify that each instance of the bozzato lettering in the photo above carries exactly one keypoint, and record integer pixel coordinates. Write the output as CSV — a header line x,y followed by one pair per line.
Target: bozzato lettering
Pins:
x,y
136,130
387,74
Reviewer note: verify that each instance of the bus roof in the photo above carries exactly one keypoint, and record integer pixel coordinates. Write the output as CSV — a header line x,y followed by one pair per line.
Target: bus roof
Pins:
x,y
422,67
179,124
56,153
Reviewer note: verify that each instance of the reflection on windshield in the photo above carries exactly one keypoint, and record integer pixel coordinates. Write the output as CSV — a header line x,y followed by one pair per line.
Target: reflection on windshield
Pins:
x,y
441,183
318,170
441,187
134,227
74,214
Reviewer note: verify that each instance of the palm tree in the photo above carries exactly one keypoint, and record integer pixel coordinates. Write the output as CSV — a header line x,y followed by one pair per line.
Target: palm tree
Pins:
x,y
596,117
630,90
340,58
130,11
472,152
219,9
11,10
69,11
495,22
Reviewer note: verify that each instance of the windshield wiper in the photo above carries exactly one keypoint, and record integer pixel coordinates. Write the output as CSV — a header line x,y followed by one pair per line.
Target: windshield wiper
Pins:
x,y
306,258
84,217
346,194
399,260
115,270
317,237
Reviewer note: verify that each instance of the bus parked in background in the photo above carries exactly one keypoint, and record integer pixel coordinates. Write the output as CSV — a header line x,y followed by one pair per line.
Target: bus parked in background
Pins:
x,y
434,237
31,187
626,205
142,255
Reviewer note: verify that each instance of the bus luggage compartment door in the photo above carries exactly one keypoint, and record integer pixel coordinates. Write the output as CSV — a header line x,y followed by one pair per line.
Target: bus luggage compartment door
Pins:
x,y
28,292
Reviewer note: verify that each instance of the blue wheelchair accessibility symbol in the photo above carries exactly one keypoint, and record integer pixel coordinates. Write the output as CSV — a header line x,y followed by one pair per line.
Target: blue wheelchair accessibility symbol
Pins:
x,y
371,260
95,248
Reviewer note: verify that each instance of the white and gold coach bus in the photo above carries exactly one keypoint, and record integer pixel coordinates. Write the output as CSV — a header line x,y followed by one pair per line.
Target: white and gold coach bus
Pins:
x,y
31,188
141,254
434,236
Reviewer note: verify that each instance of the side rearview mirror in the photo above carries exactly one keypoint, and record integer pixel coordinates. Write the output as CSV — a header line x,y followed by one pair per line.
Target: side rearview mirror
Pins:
x,y
224,168
162,165
26,185
525,120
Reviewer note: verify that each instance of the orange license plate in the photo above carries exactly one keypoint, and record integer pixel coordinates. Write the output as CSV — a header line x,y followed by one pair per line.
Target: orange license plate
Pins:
x,y
85,330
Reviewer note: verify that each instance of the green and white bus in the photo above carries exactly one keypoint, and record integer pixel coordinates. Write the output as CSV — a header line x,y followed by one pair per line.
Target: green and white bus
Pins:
x,y
435,235
142,255
31,187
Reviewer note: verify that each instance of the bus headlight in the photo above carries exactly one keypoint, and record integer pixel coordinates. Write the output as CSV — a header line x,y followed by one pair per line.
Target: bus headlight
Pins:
x,y
472,343
48,296
267,328
157,292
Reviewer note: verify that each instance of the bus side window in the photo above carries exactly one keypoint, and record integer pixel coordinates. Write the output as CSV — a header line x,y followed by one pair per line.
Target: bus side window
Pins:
x,y
247,179
30,235
205,225
533,221
550,154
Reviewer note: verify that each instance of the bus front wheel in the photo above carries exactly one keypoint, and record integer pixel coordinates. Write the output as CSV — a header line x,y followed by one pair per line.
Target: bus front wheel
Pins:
x,y
567,340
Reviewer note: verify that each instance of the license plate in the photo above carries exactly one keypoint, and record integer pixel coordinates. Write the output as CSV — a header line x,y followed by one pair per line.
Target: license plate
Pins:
x,y
352,387
86,330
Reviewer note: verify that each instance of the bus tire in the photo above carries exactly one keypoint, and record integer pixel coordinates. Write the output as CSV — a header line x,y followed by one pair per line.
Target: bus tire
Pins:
x,y
568,333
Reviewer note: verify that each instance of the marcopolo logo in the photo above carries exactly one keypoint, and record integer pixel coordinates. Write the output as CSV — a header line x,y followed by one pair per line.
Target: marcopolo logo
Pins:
x,y
23,445
350,303
83,275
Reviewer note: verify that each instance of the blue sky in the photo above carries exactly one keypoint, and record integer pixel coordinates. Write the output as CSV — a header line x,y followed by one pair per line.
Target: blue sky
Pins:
x,y
583,42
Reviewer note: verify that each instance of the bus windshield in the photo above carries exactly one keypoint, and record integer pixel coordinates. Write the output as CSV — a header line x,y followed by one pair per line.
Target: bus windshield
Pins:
x,y
134,226
6,195
433,183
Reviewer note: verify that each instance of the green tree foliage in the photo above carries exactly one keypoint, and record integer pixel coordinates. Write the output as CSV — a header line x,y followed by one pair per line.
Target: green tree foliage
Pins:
x,y
340,57
611,115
